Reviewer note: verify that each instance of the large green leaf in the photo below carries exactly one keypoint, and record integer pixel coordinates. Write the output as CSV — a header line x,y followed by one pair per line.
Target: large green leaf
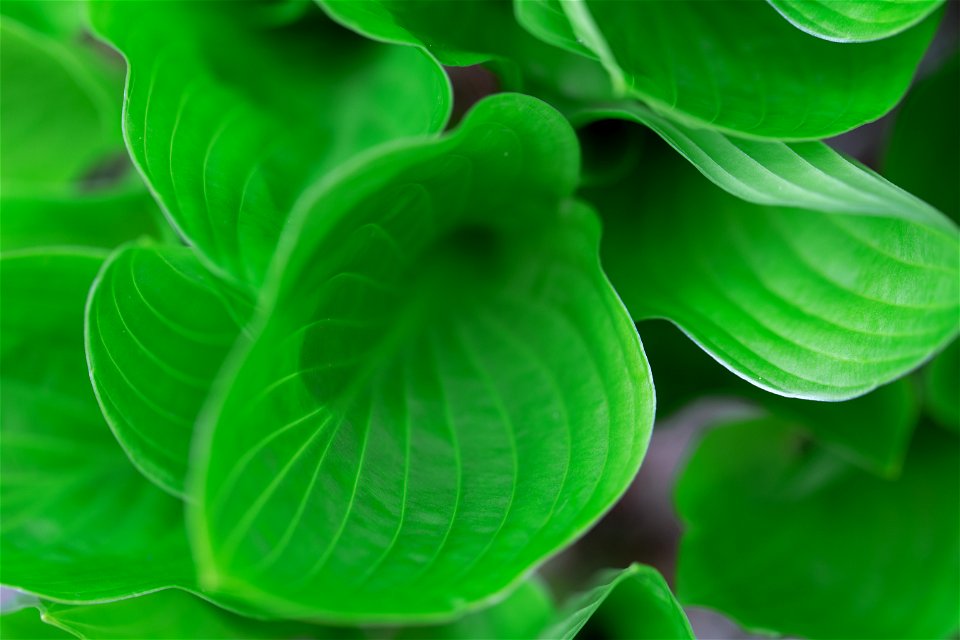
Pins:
x,y
834,552
922,153
79,522
59,106
639,600
734,66
228,136
825,302
854,20
62,19
158,327
684,373
444,389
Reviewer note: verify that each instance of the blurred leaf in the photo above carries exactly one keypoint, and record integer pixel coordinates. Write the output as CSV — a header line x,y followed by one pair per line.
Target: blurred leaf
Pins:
x,y
736,67
79,522
786,538
62,19
100,219
59,106
442,302
810,303
854,20
522,614
922,155
174,614
941,382
25,624
229,136
159,326
683,372
634,603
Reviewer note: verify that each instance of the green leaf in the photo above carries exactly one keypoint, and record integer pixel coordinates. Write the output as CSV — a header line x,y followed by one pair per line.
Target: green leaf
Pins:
x,y
79,522
922,153
229,136
62,19
172,613
522,614
639,594
825,302
158,328
59,106
683,372
63,218
854,20
744,71
26,624
786,538
941,385
441,302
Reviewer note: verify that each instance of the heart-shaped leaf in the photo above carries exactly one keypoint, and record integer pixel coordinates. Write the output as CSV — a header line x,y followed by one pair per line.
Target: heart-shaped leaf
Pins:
x,y
228,136
79,522
877,559
158,327
825,302
736,67
639,594
443,391
854,20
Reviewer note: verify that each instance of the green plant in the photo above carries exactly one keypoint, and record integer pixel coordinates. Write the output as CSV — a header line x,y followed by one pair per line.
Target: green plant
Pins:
x,y
286,354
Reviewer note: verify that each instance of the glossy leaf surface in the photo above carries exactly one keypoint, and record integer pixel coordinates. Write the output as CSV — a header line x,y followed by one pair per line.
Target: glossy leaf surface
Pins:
x,y
158,328
854,20
79,522
825,302
59,105
639,597
440,303
922,153
226,141
867,545
738,66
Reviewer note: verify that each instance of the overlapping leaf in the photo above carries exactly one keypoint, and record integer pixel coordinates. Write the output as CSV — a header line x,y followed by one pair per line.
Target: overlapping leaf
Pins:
x,y
866,543
228,136
734,66
444,391
825,302
172,614
854,20
159,326
79,522
63,218
684,373
642,604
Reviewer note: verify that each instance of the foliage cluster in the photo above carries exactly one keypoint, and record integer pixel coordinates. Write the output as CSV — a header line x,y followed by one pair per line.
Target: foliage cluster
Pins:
x,y
287,353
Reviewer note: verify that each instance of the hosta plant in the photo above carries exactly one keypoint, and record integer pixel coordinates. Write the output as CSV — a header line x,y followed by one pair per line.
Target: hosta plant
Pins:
x,y
298,342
